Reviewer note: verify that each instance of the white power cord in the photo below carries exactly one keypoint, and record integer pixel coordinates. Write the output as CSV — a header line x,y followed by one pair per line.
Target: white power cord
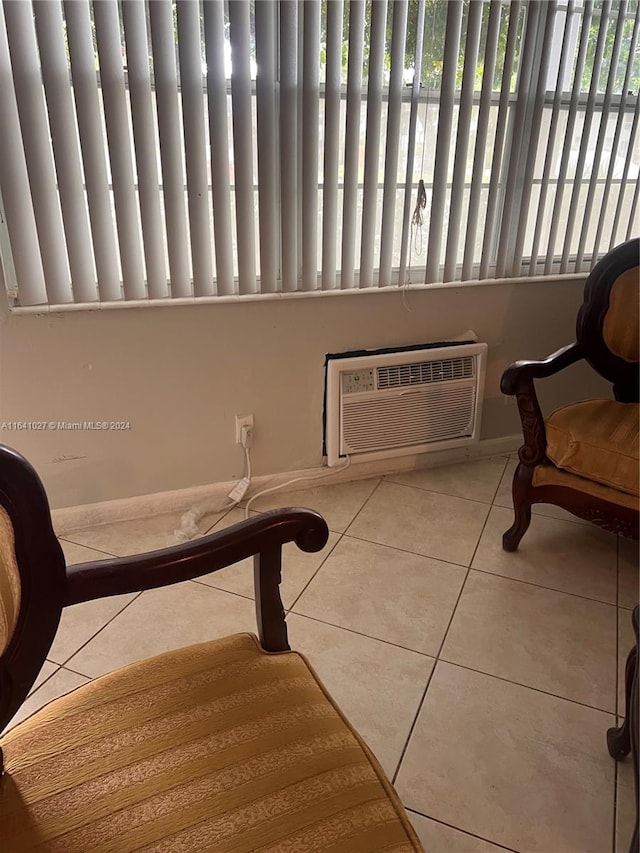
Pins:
x,y
323,475
189,521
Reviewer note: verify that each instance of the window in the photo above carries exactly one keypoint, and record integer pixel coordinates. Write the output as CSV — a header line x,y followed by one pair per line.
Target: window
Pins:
x,y
162,151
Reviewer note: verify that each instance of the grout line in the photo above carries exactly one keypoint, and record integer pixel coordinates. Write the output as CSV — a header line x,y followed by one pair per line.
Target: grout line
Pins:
x,y
413,725
464,583
488,674
42,683
212,585
88,547
538,514
475,550
504,471
361,634
93,636
528,687
444,494
453,613
318,484
540,586
66,537
405,550
364,503
619,716
340,536
453,663
464,831
59,667
305,587
223,514
219,588
437,658
194,580
84,674
255,512
369,636
424,695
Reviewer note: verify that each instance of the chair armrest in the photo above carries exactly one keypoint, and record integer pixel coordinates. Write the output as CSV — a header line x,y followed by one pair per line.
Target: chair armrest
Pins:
x,y
522,371
518,380
261,537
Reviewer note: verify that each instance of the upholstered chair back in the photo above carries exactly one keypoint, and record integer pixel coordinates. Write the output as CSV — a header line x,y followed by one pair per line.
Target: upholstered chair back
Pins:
x,y
621,327
9,582
32,580
608,321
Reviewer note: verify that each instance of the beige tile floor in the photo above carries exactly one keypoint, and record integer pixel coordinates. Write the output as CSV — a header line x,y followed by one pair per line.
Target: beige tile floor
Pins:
x,y
484,681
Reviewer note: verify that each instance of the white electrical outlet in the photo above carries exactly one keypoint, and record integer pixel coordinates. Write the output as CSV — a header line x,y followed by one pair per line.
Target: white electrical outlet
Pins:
x,y
242,420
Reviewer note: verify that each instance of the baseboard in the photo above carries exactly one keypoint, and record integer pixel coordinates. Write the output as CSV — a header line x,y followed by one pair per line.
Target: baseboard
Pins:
x,y
75,518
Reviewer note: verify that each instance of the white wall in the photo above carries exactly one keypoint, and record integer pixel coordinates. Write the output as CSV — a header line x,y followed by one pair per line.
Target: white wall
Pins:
x,y
179,374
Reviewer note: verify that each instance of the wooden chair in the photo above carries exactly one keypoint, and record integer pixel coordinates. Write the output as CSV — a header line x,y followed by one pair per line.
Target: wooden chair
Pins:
x,y
229,745
623,739
584,456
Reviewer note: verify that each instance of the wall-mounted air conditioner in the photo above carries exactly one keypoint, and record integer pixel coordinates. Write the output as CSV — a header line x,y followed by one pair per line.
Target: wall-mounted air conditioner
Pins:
x,y
404,401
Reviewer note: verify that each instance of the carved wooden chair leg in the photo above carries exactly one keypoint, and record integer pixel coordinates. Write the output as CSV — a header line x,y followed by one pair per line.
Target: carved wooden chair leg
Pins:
x,y
624,740
521,507
634,847
633,728
619,739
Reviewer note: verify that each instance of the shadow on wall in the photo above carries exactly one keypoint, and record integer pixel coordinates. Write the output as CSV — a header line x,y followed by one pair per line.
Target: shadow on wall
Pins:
x,y
75,479
534,329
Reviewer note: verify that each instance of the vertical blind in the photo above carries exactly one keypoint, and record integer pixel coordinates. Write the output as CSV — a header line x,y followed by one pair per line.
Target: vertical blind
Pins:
x,y
161,150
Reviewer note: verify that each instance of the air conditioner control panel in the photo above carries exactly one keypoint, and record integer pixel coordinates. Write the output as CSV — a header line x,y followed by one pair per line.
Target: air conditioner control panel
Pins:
x,y
356,381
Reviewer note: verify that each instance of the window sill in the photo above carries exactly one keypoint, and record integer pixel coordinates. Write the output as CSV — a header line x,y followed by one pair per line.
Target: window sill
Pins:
x,y
298,294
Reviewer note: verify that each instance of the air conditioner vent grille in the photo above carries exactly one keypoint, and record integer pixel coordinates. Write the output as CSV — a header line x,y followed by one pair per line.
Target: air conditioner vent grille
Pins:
x,y
403,401
424,372
428,415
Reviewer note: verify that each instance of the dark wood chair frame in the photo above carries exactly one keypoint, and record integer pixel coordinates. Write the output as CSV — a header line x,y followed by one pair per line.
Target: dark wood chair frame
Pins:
x,y
48,585
624,740
519,380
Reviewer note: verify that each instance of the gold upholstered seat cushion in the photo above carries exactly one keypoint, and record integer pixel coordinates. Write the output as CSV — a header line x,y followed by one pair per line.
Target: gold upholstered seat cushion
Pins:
x,y
215,747
597,440
549,475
